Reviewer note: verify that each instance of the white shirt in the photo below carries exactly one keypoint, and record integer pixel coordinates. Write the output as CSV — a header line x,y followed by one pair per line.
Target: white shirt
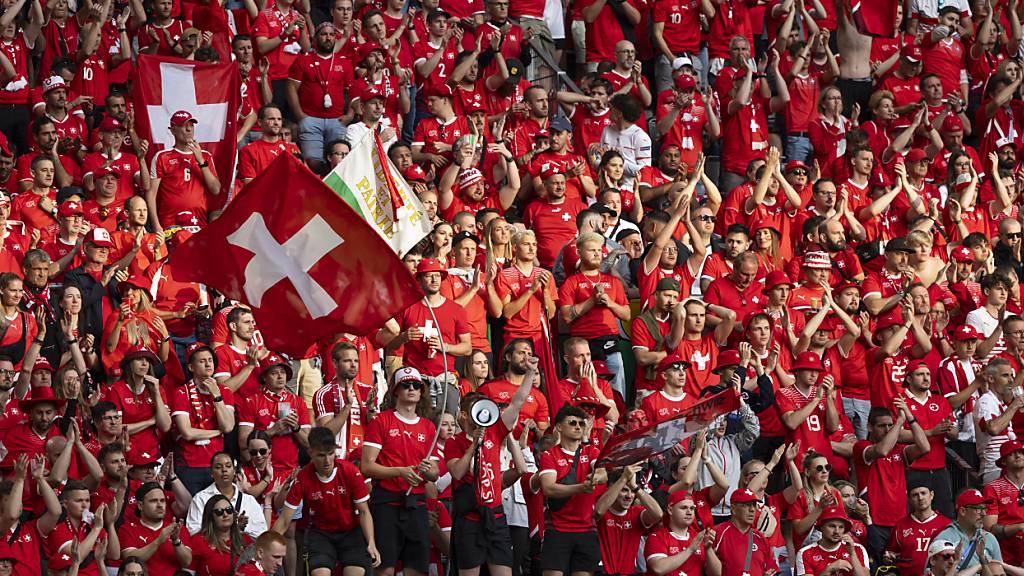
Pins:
x,y
986,324
988,408
249,506
635,146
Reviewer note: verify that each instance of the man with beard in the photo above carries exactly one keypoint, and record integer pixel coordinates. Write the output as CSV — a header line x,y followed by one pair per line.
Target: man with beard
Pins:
x,y
579,185
44,133
739,291
733,538
342,404
536,99
255,156
372,119
553,218
30,437
516,359
110,156
660,184
720,264
154,538
35,267
590,113
238,361
430,324
463,188
626,77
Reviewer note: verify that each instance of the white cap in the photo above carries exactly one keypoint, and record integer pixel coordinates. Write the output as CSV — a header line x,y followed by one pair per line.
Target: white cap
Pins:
x,y
682,61
940,546
407,374
1004,142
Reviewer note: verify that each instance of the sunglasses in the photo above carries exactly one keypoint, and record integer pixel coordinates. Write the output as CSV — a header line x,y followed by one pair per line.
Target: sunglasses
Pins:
x,y
7,373
258,451
799,173
823,467
576,423
1013,235
947,556
410,385
223,511
707,218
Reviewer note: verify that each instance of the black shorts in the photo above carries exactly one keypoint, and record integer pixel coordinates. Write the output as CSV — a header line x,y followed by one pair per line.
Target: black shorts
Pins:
x,y
328,549
569,552
401,534
478,546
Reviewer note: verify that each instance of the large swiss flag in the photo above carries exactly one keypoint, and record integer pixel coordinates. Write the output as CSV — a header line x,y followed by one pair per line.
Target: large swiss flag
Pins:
x,y
306,262
210,92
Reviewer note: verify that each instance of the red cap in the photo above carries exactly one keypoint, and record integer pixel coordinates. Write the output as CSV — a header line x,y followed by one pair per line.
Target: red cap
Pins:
x,y
188,220
99,237
916,155
597,409
808,361
470,177
371,92
742,496
181,117
952,123
431,265
912,53
103,172
962,254
109,124
726,358
776,278
847,284
966,332
819,260
1007,448
916,364
971,497
273,360
549,169
685,82
440,90
889,321
601,368
59,561
135,281
678,496
5,147
5,199
835,513
796,165
367,48
70,209
415,172
672,360
542,133
43,364
197,346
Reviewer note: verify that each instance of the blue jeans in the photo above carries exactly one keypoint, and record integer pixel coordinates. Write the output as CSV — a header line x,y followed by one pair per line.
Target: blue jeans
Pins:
x,y
614,361
180,344
798,148
315,133
857,411
194,479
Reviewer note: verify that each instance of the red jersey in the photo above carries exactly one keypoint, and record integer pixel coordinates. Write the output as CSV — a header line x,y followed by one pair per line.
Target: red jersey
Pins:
x,y
321,85
200,410
330,502
126,166
261,409
484,475
687,132
175,29
25,207
258,154
181,184
270,23
682,24
511,283
17,52
535,408
599,321
555,225
588,126
455,285
886,376
453,325
603,33
135,533
744,134
664,542
134,408
812,432
23,540
702,354
402,442
620,535
929,413
883,482
328,401
945,59
731,547
432,130
231,361
209,561
910,539
815,558
660,406
577,514
64,533
724,292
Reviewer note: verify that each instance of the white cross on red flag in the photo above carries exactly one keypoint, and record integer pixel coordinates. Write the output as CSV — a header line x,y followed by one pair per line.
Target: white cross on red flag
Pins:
x,y
210,92
306,262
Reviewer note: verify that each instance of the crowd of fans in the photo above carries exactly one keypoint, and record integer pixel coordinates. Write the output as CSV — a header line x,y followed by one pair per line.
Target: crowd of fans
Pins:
x,y
715,196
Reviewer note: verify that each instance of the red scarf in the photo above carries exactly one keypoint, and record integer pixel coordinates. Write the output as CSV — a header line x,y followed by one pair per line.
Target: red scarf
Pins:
x,y
202,411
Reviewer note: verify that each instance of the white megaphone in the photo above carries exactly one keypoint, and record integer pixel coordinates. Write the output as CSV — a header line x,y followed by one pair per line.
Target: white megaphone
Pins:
x,y
484,413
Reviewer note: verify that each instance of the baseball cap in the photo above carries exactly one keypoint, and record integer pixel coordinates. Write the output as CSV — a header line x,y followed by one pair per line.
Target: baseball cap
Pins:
x,y
109,124
672,360
726,358
966,332
820,260
43,364
437,13
542,133
415,172
99,237
681,61
560,124
1007,448
188,220
69,209
603,209
52,83
940,546
102,172
911,53
370,92
796,165
430,265
916,155
678,496
971,497
845,285
440,90
5,198
667,284
685,82
407,374
465,235
952,123
898,244
180,117
962,254
515,71
742,496
549,169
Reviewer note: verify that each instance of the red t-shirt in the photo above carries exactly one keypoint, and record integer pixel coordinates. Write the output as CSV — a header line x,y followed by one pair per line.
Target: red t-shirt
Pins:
x,y
883,482
431,130
401,442
702,354
620,535
731,546
269,24
181,184
535,408
744,134
330,502
261,409
660,406
599,321
319,76
135,408
577,514
453,325
486,462
682,24
910,540
724,292
664,542
231,361
208,561
455,286
815,558
929,414
26,546
812,432
555,225
258,154
202,416
511,283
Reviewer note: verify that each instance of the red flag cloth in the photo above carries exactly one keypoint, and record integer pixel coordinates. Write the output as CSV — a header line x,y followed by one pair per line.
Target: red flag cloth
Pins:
x,y
875,17
649,441
307,264
163,85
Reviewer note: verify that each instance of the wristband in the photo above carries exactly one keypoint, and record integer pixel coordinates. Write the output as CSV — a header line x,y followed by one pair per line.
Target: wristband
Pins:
x,y
912,421
71,341
218,399
175,544
204,164
122,30
38,341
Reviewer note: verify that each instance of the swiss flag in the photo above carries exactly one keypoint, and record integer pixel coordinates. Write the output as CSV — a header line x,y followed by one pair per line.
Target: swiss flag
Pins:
x,y
210,92
307,264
